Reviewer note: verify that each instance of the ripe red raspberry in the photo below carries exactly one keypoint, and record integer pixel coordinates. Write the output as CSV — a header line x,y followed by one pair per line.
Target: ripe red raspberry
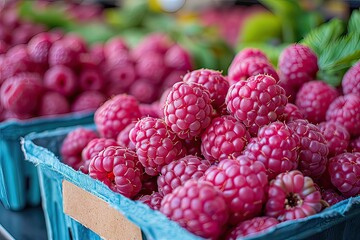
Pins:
x,y
119,79
143,91
177,58
331,196
256,102
345,110
88,101
213,81
155,144
152,200
276,146
91,79
354,145
155,42
53,103
344,170
292,195
224,137
61,79
291,113
197,206
313,150
251,67
73,145
92,149
16,61
247,53
251,227
116,51
188,109
336,136
123,138
351,80
151,66
314,98
242,182
62,53
39,47
21,94
297,65
116,168
115,114
177,172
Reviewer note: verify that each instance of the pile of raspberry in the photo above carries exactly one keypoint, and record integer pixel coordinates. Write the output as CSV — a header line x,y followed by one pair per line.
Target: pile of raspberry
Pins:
x,y
57,73
231,157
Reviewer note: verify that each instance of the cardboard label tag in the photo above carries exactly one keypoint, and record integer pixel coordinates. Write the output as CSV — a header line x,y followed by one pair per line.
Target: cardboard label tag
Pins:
x,y
97,215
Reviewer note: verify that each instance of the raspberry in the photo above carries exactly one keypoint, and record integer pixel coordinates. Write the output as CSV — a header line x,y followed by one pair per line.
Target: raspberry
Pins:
x,y
291,113
297,65
76,42
177,172
313,150
256,102
213,81
119,78
88,101
123,138
345,110
63,53
197,206
276,146
152,200
331,196
17,60
115,114
92,149
188,109
53,103
143,91
354,145
224,137
149,110
251,227
39,47
73,145
155,144
151,66
344,172
178,58
336,136
61,79
247,53
116,168
172,78
292,195
90,79
21,94
314,98
242,183
155,42
351,80
251,67
116,52
16,116
162,101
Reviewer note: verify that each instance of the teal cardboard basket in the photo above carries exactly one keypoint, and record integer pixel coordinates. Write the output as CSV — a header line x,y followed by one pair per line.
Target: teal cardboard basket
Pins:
x,y
19,186
340,221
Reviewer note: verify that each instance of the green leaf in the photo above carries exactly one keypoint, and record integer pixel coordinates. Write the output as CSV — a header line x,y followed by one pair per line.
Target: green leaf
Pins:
x,y
354,22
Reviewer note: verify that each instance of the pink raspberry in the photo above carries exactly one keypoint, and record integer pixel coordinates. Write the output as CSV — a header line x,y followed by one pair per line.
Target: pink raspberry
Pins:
x,y
154,42
90,79
313,150
314,98
116,52
172,78
276,146
92,149
39,47
176,57
251,227
88,101
151,66
297,65
149,110
197,206
177,172
224,137
119,79
123,138
53,103
152,200
292,195
345,110
21,94
256,102
336,136
155,144
213,81
291,113
354,145
16,61
143,91
243,183
116,168
188,109
344,172
251,67
248,53
61,79
351,80
115,114
331,196
62,53
73,145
